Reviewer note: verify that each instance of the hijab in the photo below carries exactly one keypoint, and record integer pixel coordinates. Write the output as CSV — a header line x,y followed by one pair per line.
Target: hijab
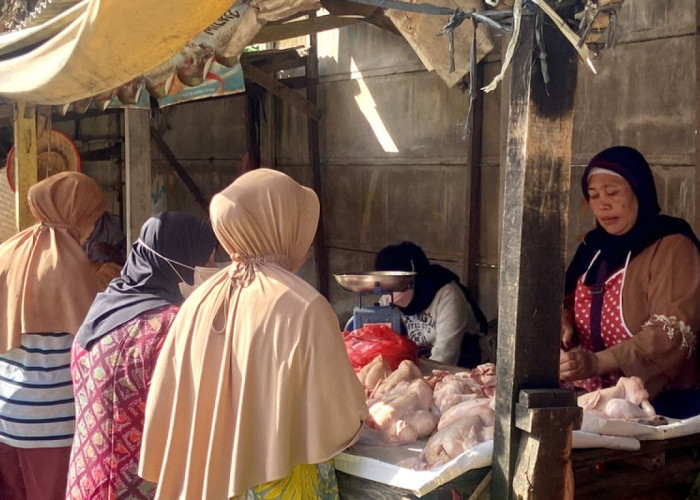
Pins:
x,y
107,233
253,378
430,278
148,280
46,282
649,227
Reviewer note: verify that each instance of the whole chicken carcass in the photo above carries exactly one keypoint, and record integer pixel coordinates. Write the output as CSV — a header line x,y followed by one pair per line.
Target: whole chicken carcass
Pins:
x,y
458,437
403,414
373,373
479,406
452,390
405,372
628,400
484,374
629,388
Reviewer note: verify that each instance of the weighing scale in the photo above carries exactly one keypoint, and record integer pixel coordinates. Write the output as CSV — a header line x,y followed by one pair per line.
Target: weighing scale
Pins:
x,y
376,283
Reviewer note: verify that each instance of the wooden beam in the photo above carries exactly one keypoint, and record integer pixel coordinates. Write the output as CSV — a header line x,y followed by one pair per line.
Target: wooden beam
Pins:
x,y
268,131
536,189
26,164
295,82
320,249
543,466
279,89
282,65
272,32
178,169
137,153
252,129
275,56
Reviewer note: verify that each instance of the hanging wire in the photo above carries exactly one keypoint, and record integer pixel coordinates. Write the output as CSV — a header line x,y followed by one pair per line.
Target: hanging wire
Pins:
x,y
472,82
541,49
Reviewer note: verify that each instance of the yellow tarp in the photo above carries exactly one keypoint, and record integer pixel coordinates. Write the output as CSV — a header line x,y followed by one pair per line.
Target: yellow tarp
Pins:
x,y
109,43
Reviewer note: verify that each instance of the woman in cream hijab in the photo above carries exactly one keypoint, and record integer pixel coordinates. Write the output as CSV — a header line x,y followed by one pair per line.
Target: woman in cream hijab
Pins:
x,y
46,288
253,392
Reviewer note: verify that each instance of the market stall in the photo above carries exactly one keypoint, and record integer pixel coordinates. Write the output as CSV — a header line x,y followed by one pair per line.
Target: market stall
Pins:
x,y
631,443
536,185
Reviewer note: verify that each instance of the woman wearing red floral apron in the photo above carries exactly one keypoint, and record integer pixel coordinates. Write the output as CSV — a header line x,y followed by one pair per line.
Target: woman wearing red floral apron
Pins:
x,y
632,303
612,328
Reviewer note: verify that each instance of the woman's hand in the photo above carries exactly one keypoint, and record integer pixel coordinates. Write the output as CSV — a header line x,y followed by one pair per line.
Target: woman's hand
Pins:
x,y
567,329
577,364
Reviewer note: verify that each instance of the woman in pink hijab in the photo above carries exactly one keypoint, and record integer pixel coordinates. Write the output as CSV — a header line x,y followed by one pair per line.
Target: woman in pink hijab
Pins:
x,y
253,393
46,288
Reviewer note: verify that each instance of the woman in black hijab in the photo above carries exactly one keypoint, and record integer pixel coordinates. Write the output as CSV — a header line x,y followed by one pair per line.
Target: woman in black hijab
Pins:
x,y
437,311
115,352
632,303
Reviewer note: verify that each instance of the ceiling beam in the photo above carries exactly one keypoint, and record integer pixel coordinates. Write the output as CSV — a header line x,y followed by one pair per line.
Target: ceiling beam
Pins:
x,y
272,32
274,86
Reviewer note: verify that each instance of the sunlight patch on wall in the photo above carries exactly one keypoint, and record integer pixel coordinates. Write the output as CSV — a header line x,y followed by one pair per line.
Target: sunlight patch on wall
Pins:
x,y
366,103
328,41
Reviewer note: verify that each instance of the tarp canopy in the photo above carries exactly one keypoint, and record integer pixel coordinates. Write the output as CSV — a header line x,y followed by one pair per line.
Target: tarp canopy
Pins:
x,y
98,45
105,51
107,44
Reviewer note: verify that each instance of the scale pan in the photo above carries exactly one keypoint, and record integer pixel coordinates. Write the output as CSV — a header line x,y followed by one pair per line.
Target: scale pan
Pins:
x,y
380,282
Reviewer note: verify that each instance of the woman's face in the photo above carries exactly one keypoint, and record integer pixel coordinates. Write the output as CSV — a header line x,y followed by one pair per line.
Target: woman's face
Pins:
x,y
613,203
402,299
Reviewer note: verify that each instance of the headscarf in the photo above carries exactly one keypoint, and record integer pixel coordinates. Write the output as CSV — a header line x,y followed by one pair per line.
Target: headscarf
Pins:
x,y
148,280
649,227
253,378
109,233
408,256
429,279
46,283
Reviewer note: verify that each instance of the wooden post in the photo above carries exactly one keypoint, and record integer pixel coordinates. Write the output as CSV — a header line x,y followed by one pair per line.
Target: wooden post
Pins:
x,y
543,467
320,250
137,154
536,189
26,164
268,131
252,128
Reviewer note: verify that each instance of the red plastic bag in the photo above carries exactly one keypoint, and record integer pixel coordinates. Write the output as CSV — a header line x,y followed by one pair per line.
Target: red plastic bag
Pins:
x,y
368,342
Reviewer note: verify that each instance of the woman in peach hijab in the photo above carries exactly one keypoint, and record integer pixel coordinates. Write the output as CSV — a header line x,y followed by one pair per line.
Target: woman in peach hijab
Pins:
x,y
46,288
253,392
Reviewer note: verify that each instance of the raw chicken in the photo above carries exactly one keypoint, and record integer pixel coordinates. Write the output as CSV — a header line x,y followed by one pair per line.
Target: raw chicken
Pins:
x,y
479,406
452,390
485,377
437,376
629,388
373,373
462,435
406,371
628,400
403,414
484,374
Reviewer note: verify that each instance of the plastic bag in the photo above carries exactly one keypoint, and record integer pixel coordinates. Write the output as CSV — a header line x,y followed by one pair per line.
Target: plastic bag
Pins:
x,y
368,342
